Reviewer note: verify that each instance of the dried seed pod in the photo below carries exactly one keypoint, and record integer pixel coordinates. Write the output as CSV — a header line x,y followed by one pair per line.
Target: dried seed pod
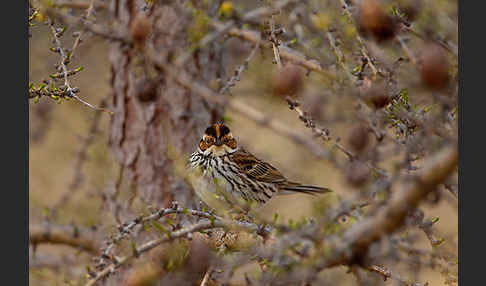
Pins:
x,y
139,29
314,103
288,80
373,20
146,89
434,67
359,138
375,94
357,173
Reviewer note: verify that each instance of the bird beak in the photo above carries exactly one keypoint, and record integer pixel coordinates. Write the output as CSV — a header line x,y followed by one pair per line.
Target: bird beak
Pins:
x,y
218,142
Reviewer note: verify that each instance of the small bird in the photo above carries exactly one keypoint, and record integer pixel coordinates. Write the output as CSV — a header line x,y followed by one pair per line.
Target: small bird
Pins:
x,y
229,173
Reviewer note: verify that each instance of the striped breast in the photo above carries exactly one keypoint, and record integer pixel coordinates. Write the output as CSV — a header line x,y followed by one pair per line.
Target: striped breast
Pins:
x,y
222,176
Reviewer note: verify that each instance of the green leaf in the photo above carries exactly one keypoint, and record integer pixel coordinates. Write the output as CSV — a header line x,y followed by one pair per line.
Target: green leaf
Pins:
x,y
275,217
439,242
159,227
146,226
134,249
227,119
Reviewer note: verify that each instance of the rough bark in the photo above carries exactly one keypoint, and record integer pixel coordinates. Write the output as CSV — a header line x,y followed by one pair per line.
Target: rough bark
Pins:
x,y
144,132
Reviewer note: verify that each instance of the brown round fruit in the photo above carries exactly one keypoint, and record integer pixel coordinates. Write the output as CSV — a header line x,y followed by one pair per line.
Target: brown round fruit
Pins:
x,y
374,94
146,89
358,138
139,29
373,20
434,67
357,174
288,80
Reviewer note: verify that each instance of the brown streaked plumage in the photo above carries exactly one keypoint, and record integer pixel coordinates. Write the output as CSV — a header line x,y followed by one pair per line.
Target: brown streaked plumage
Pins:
x,y
237,173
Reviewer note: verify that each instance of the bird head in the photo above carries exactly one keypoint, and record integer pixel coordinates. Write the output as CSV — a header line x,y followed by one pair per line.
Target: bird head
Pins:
x,y
217,141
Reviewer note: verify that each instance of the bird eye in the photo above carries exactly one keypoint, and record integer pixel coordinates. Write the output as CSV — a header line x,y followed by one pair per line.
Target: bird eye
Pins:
x,y
208,140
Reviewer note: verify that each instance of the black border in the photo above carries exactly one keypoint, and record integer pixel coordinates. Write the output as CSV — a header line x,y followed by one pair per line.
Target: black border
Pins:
x,y
472,54
15,150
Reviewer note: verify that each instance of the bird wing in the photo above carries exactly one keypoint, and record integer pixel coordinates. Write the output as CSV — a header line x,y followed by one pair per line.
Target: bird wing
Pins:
x,y
264,172
256,168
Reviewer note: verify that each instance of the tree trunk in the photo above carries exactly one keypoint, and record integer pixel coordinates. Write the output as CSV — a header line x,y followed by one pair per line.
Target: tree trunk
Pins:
x,y
154,117
144,130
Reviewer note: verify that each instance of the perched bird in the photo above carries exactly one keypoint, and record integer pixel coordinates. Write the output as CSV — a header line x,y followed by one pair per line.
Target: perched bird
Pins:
x,y
226,172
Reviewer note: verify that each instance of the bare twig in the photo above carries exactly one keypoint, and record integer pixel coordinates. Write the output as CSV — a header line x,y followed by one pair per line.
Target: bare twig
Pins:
x,y
364,49
407,51
59,234
325,134
239,70
275,43
340,57
221,29
89,11
65,58
452,189
96,29
81,157
39,261
449,47
426,227
386,273
206,277
285,52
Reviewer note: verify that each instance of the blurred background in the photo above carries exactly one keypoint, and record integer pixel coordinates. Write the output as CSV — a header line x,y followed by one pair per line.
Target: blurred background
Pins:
x,y
58,134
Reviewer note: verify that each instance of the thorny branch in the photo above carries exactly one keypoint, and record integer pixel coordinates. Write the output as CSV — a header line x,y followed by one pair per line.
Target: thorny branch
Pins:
x,y
340,57
275,43
150,245
251,16
386,273
77,41
239,70
325,134
68,91
127,228
356,240
211,222
285,52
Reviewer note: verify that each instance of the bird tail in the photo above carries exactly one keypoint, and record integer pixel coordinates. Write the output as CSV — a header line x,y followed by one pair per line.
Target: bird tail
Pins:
x,y
298,188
